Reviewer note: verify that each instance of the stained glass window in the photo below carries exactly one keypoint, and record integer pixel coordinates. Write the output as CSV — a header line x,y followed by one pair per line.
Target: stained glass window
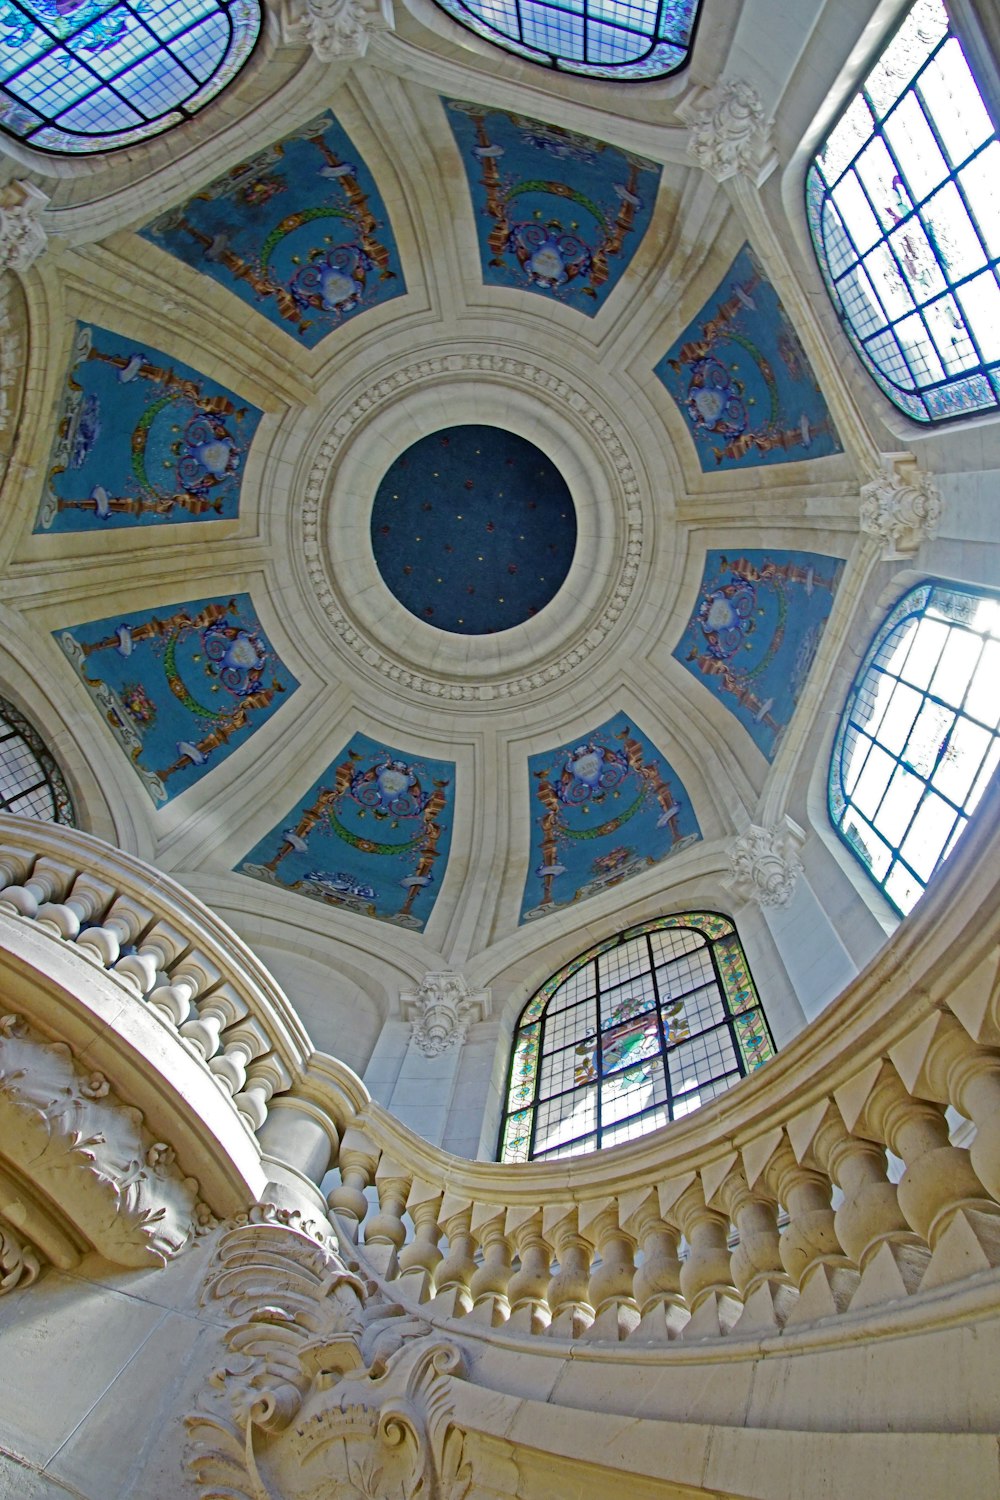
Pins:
x,y
641,1029
31,784
918,741
91,75
622,39
905,220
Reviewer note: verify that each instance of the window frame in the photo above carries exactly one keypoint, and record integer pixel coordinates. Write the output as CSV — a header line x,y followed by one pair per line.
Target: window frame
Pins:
x,y
718,935
15,725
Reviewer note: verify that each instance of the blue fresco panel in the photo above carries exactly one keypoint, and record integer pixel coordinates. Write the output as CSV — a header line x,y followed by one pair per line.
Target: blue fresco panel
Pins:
x,y
142,439
742,380
604,808
181,687
556,213
755,631
299,232
370,836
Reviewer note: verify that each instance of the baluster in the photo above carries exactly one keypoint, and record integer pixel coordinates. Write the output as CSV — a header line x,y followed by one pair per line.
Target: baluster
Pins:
x,y
385,1232
763,1284
706,1274
87,898
14,867
869,1222
121,926
47,882
942,1198
240,1045
489,1284
266,1077
529,1310
616,1312
657,1282
811,1253
572,1314
159,947
214,1013
453,1298
359,1158
419,1260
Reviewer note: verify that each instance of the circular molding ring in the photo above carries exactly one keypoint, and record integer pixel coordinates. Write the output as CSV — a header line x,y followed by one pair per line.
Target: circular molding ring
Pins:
x,y
588,632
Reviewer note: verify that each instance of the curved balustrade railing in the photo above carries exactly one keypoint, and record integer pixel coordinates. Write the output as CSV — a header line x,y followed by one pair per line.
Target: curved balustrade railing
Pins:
x,y
770,1208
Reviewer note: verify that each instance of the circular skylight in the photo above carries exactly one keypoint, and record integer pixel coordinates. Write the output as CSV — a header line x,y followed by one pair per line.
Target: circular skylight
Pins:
x,y
621,39
90,75
473,529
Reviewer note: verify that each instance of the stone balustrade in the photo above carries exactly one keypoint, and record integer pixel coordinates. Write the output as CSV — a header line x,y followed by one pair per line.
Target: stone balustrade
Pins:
x,y
824,1187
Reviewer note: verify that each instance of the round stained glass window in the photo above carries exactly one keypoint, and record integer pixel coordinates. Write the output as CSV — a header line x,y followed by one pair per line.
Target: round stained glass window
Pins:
x,y
80,76
620,39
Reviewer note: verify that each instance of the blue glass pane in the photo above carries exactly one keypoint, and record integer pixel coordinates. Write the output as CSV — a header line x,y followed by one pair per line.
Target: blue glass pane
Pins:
x,y
105,73
902,210
623,39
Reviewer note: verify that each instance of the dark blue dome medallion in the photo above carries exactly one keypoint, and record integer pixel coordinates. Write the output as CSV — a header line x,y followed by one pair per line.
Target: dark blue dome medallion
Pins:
x,y
473,530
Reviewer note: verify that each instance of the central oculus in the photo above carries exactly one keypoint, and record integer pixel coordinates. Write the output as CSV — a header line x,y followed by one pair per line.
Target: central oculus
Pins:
x,y
473,529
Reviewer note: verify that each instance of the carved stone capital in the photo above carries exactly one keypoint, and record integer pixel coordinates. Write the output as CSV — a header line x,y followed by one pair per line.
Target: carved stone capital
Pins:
x,y
442,1010
336,30
901,506
729,134
63,1128
765,863
22,237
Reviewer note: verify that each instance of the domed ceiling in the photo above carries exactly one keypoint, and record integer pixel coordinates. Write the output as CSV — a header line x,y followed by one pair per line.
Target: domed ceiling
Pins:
x,y
436,516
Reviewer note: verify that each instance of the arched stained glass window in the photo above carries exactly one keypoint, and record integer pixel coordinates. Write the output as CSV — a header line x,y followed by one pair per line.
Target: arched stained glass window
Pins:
x,y
90,75
31,784
641,1029
905,219
918,740
622,39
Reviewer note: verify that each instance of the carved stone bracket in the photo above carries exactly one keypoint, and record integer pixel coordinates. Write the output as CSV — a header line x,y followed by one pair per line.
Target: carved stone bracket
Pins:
x,y
22,237
326,1387
729,134
901,506
442,1010
337,30
63,1130
765,863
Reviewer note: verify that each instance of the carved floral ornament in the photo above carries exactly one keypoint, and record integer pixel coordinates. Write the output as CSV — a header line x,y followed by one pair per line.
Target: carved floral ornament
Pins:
x,y
729,134
387,391
442,1010
765,864
326,1388
337,30
22,237
901,507
63,1129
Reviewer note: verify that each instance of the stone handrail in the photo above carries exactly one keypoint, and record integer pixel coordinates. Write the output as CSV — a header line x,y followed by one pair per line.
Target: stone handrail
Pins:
x,y
769,1208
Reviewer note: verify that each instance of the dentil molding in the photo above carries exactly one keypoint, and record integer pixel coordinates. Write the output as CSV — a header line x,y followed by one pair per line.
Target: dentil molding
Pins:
x,y
22,237
765,864
337,30
387,391
441,1011
63,1130
901,507
729,134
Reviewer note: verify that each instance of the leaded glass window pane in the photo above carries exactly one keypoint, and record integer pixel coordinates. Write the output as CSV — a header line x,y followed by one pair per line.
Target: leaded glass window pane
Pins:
x,y
99,74
639,1030
904,215
621,39
31,784
918,740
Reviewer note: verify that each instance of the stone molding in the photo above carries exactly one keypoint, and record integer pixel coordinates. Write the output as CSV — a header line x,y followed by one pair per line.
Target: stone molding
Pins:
x,y
22,237
729,134
325,1387
901,507
441,1011
337,30
20,1263
765,863
388,390
62,1128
